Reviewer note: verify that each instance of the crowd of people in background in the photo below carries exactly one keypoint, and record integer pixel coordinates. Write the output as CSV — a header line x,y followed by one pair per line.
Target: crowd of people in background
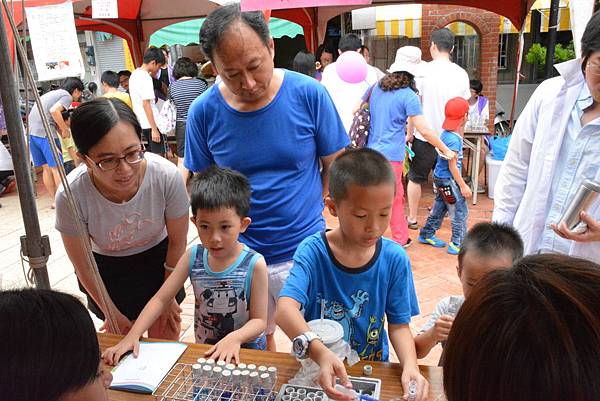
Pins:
x,y
267,150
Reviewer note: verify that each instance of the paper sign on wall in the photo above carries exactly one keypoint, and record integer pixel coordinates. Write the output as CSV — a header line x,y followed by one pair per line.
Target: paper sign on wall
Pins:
x,y
254,5
54,41
105,9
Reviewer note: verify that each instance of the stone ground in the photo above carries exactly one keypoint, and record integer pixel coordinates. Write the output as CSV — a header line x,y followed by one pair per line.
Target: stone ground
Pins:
x,y
434,270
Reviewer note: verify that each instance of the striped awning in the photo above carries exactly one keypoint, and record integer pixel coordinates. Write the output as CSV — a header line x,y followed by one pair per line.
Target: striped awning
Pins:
x,y
564,21
411,27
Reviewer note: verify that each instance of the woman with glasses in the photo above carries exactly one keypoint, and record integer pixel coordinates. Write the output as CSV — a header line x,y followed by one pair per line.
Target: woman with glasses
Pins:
x,y
134,208
554,148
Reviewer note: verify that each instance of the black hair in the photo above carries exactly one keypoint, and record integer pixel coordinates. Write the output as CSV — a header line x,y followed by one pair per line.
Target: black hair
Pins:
x,y
154,54
185,67
492,239
110,78
398,80
216,188
66,114
476,85
443,39
304,63
350,41
72,83
363,167
217,24
126,73
323,49
48,345
92,120
590,40
93,87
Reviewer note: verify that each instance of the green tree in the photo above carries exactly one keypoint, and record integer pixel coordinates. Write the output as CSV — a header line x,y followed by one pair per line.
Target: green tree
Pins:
x,y
537,54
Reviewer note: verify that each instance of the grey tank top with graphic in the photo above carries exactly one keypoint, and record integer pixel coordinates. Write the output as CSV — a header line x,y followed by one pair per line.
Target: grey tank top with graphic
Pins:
x,y
222,298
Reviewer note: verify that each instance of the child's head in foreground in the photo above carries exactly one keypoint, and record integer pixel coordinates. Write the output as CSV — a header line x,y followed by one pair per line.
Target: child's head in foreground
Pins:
x,y
487,247
49,348
362,186
531,332
220,201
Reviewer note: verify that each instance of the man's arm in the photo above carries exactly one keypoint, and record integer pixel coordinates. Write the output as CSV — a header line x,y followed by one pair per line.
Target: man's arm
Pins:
x,y
148,110
56,113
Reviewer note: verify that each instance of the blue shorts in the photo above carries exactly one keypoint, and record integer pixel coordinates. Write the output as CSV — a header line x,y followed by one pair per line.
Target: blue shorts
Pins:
x,y
41,152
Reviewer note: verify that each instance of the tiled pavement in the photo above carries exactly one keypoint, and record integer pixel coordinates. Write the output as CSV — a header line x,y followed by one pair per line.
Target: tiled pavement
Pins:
x,y
434,270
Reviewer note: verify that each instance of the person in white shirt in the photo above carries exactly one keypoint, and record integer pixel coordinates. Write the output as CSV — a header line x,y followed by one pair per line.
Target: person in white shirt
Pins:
x,y
554,148
141,91
347,96
442,81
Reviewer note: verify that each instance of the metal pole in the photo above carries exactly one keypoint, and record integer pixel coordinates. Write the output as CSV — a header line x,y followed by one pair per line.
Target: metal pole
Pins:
x,y
535,26
552,28
36,247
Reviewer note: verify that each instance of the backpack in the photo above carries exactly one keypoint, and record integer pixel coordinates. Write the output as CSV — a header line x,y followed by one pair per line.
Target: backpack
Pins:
x,y
167,117
361,124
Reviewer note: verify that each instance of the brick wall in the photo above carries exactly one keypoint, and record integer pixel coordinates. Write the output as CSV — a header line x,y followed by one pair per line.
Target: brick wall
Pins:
x,y
485,23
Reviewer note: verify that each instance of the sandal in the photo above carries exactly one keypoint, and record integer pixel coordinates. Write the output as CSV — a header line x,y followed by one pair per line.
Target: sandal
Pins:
x,y
413,225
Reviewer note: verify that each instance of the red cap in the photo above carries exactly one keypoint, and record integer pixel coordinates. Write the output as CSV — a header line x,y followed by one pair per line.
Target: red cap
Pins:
x,y
456,108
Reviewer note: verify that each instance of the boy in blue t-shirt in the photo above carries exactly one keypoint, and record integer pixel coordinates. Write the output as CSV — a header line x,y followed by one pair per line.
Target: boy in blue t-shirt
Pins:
x,y
361,277
452,191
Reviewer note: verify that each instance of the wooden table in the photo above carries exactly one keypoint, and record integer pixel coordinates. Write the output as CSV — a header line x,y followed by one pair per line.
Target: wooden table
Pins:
x,y
287,366
473,140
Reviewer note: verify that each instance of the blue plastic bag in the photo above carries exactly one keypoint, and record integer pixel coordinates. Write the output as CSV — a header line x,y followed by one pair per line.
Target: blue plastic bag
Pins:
x,y
499,146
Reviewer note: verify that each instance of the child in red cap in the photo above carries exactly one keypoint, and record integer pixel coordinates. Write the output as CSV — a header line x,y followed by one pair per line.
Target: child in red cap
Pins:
x,y
452,189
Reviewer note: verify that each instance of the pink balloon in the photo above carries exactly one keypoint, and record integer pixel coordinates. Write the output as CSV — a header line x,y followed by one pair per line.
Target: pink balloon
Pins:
x,y
351,67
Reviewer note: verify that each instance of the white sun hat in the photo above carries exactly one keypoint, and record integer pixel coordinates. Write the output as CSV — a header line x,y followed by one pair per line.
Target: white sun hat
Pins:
x,y
408,58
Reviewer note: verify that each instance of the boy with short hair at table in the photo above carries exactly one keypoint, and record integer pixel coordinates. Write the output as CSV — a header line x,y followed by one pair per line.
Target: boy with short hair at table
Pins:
x,y
486,247
229,279
452,191
361,277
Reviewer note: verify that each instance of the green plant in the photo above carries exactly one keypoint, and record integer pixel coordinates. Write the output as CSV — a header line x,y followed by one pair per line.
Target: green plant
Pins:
x,y
537,54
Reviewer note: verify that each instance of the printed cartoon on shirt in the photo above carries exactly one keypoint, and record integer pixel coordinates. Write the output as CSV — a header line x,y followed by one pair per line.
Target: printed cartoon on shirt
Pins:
x,y
216,312
373,335
336,310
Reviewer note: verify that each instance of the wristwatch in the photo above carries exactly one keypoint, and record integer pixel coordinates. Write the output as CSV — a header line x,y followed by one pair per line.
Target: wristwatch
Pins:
x,y
301,343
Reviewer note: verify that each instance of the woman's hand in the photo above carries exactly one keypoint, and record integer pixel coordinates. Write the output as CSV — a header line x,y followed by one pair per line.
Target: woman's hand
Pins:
x,y
411,373
592,234
170,320
228,349
122,321
112,355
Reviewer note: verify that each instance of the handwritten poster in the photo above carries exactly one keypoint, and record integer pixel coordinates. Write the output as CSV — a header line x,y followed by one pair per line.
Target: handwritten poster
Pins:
x,y
105,9
254,5
54,42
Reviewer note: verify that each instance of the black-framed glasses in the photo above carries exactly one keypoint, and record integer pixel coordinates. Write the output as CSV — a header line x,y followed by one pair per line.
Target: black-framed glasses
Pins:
x,y
133,157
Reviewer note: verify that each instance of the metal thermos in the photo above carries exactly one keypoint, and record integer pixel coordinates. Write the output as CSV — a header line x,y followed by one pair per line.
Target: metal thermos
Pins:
x,y
584,197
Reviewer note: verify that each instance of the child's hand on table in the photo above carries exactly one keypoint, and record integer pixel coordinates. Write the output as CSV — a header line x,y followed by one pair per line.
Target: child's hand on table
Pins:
x,y
410,373
228,349
112,355
331,368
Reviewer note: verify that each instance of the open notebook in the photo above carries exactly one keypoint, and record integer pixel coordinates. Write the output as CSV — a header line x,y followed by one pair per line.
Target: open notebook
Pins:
x,y
144,373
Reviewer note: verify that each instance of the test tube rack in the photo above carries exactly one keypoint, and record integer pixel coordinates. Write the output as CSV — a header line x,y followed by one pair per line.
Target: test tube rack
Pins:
x,y
362,385
181,385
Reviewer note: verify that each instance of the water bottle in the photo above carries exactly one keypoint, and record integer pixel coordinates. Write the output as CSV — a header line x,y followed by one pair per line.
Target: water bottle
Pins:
x,y
584,197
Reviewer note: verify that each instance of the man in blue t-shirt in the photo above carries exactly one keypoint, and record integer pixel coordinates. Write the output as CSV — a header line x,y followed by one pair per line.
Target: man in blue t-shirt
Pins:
x,y
274,126
452,190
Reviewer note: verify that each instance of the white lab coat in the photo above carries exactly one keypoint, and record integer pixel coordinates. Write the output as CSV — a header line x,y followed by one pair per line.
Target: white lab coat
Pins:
x,y
522,191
